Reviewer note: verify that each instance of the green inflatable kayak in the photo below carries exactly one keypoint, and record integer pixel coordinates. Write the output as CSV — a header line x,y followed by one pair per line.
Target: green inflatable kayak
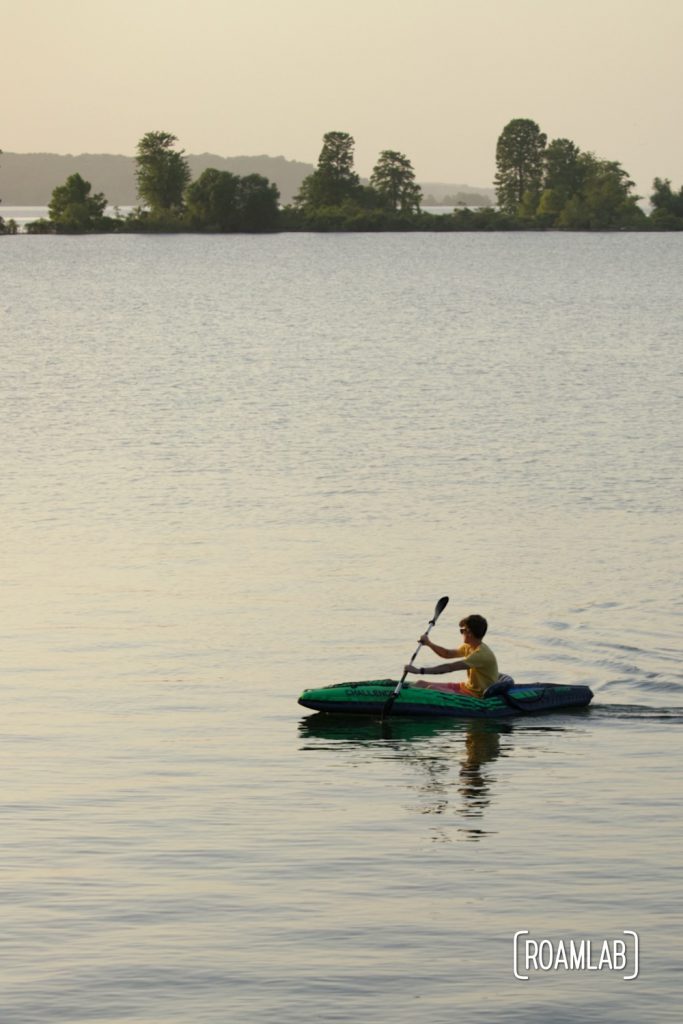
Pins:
x,y
369,698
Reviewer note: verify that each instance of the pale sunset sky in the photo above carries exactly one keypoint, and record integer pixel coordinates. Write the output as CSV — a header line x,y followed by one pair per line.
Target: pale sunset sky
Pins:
x,y
437,80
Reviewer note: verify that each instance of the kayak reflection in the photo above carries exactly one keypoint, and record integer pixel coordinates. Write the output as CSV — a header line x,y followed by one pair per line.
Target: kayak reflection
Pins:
x,y
362,729
433,747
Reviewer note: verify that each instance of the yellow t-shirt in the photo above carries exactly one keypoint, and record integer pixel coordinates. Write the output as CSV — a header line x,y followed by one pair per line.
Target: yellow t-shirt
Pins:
x,y
482,667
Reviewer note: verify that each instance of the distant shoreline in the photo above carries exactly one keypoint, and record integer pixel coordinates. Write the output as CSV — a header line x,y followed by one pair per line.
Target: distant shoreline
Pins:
x,y
27,179
27,214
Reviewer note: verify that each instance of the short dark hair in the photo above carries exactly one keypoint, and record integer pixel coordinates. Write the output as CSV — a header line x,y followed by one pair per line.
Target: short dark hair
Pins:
x,y
476,624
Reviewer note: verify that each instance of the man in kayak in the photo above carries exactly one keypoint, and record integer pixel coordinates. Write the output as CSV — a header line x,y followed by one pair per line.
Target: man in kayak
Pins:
x,y
474,657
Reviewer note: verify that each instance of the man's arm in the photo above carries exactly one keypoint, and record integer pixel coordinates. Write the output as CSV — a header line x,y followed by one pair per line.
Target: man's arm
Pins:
x,y
443,652
437,670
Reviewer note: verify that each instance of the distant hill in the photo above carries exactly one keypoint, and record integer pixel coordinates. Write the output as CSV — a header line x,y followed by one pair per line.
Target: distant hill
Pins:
x,y
27,179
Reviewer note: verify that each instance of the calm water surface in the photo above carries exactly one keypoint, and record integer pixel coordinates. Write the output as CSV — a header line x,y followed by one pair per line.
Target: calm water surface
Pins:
x,y
234,467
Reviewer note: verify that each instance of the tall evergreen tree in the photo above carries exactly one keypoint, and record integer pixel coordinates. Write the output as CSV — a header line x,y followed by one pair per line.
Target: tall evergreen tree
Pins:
x,y
334,180
519,162
393,178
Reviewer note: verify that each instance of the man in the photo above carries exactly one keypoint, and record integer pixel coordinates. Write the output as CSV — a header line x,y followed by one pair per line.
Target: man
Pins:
x,y
475,657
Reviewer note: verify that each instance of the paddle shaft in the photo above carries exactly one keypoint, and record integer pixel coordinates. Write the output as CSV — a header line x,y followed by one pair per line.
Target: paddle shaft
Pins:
x,y
390,700
417,651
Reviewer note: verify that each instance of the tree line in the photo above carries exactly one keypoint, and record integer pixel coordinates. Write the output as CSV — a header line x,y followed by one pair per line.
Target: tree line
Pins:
x,y
217,201
555,185
540,185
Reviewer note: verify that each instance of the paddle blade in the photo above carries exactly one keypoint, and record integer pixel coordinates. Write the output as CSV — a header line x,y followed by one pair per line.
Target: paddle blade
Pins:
x,y
440,605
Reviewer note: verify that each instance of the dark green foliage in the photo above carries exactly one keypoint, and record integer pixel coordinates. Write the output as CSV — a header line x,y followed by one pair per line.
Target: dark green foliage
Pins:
x,y
334,179
333,198
212,201
368,198
664,198
352,217
8,227
218,201
154,222
486,219
74,210
562,170
667,213
603,200
540,187
393,178
162,173
221,201
257,204
558,186
40,227
519,163
563,177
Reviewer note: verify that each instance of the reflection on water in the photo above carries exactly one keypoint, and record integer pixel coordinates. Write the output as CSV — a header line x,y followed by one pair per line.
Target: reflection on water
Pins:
x,y
435,749
481,746
363,731
467,794
450,761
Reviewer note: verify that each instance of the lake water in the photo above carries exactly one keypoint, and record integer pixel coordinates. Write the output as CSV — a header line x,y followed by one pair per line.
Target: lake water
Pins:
x,y
234,467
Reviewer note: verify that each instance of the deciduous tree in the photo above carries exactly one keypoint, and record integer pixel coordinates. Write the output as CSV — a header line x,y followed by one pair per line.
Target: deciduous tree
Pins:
x,y
212,200
563,176
605,200
258,203
221,201
73,208
562,169
667,213
162,172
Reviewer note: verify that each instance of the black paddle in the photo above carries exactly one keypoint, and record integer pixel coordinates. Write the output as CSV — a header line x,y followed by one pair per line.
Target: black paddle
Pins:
x,y
389,703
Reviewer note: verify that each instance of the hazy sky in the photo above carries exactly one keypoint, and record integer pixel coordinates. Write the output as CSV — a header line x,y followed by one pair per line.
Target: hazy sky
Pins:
x,y
437,80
